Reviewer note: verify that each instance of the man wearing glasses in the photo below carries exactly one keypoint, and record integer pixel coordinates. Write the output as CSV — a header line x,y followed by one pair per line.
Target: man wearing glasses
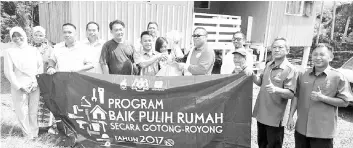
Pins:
x,y
201,59
277,85
228,65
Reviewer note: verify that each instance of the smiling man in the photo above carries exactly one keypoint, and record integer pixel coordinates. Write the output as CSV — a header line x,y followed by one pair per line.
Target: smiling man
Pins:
x,y
320,90
238,43
69,56
117,53
277,85
201,59
93,41
147,58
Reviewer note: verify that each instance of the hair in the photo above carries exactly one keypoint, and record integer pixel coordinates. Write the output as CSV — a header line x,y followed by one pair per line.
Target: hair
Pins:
x,y
159,43
111,24
69,24
283,39
146,33
91,22
324,45
152,23
38,29
197,28
244,37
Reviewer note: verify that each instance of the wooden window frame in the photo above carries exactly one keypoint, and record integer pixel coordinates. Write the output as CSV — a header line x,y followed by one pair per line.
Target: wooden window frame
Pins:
x,y
301,13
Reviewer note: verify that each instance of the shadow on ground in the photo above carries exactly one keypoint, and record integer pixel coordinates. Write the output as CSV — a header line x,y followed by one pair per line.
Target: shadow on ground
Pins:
x,y
346,114
10,130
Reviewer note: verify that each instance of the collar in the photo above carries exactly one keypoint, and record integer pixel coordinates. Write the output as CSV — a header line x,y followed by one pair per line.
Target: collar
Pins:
x,y
74,45
283,65
325,72
37,44
98,42
202,48
150,53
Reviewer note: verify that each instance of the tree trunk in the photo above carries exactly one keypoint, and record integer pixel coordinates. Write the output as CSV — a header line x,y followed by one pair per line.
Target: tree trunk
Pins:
x,y
346,28
319,29
333,19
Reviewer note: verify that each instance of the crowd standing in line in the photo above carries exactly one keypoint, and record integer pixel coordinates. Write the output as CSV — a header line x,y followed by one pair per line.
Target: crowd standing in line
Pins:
x,y
315,93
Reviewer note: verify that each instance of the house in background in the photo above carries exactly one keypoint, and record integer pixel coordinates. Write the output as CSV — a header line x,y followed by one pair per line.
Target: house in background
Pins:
x,y
261,21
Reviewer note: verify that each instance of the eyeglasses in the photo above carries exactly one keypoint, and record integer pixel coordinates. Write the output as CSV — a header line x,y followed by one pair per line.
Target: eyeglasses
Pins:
x,y
278,47
237,39
197,35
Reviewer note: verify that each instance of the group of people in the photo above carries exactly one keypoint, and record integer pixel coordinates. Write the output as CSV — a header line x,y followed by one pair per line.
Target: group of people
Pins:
x,y
315,92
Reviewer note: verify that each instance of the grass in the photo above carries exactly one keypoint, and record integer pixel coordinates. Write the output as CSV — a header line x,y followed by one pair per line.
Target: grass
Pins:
x,y
8,121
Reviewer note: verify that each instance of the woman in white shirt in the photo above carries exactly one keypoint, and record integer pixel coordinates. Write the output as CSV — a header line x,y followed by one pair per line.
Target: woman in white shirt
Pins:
x,y
22,63
168,67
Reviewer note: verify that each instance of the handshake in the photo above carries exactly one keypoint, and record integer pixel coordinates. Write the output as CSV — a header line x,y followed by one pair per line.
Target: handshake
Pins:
x,y
162,57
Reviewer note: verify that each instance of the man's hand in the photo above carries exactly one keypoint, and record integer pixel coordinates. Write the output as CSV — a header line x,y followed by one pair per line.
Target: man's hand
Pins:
x,y
25,90
290,124
162,57
33,87
181,66
51,70
248,71
271,88
317,95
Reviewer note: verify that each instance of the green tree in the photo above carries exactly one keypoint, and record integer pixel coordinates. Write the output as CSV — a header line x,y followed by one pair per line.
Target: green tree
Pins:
x,y
18,13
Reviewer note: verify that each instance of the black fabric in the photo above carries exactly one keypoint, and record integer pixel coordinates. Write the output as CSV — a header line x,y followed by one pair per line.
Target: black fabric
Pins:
x,y
269,136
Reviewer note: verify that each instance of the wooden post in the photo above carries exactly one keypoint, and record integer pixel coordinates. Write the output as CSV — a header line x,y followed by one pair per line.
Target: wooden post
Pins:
x,y
249,28
333,19
319,29
305,56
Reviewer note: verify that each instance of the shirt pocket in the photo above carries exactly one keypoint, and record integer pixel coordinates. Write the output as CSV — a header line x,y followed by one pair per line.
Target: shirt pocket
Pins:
x,y
277,78
328,88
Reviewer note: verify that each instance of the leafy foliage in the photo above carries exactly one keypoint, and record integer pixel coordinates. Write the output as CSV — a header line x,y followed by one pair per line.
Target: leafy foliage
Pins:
x,y
18,13
342,50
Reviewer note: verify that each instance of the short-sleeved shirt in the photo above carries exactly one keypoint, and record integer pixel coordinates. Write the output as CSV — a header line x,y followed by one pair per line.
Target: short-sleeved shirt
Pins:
x,y
270,108
95,53
316,118
69,59
118,57
202,61
150,70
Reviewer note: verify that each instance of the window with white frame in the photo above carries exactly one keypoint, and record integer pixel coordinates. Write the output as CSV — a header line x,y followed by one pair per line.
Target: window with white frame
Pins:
x,y
295,8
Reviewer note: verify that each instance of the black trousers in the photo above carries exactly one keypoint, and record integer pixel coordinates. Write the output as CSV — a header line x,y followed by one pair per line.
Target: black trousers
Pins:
x,y
269,136
302,141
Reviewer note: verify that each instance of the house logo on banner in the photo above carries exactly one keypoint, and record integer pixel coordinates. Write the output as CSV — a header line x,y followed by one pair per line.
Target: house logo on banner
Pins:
x,y
82,114
140,85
